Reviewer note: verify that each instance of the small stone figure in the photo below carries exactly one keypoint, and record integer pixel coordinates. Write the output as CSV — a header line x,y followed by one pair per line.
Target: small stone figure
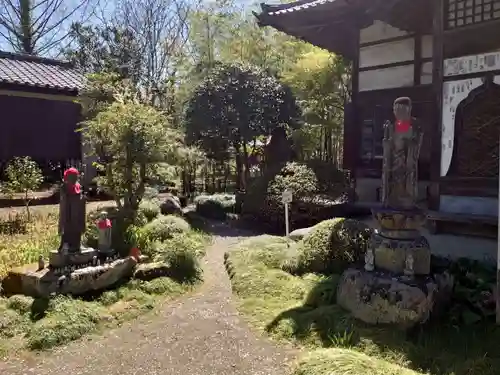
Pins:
x,y
41,263
369,260
98,262
104,226
94,260
402,143
71,212
409,271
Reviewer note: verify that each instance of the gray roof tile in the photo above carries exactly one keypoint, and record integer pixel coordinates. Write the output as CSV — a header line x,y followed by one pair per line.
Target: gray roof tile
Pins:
x,y
34,71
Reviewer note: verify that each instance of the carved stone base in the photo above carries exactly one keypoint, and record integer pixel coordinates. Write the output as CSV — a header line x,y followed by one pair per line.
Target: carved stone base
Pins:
x,y
390,254
46,282
60,259
382,298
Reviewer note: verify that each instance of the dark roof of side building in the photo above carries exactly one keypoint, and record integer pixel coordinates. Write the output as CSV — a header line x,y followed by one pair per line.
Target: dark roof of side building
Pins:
x,y
33,71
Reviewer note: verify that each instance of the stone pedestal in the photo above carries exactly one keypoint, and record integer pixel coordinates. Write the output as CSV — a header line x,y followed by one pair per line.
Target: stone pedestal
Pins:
x,y
59,259
399,238
382,298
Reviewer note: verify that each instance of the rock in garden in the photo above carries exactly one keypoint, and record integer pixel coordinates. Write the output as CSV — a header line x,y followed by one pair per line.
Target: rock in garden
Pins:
x,y
83,280
150,271
299,234
379,298
171,205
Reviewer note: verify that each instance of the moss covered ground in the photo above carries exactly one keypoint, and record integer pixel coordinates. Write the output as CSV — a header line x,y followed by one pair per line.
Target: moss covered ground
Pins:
x,y
301,308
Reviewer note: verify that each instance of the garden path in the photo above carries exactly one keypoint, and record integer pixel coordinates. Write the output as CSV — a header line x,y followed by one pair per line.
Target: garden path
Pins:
x,y
199,334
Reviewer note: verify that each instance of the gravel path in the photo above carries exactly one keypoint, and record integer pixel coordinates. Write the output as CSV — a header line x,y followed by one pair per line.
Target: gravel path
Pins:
x,y
198,334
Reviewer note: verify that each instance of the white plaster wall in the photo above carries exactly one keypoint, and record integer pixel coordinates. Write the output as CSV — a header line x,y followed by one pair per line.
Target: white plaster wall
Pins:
x,y
379,31
426,46
400,76
426,73
387,53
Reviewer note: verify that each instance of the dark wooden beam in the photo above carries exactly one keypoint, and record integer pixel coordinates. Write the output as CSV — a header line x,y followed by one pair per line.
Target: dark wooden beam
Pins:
x,y
437,81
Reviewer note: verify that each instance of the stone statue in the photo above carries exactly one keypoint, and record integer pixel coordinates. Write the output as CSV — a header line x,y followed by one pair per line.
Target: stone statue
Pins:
x,y
105,227
71,212
369,260
409,266
402,143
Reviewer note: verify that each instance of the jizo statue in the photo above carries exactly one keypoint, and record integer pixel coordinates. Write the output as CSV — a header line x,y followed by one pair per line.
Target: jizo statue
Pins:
x,y
71,212
402,143
104,226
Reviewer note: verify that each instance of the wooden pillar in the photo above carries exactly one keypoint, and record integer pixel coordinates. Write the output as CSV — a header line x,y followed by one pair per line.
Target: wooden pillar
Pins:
x,y
498,252
437,82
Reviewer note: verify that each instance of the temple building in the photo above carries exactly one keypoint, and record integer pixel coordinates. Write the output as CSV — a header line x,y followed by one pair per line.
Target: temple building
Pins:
x,y
445,56
39,113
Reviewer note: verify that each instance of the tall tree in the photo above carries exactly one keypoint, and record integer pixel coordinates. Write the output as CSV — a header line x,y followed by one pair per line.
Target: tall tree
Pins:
x,y
233,106
321,81
38,27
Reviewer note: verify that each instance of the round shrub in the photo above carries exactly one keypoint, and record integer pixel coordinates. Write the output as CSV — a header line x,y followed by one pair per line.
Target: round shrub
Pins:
x,y
184,265
331,247
164,227
150,209
262,202
215,206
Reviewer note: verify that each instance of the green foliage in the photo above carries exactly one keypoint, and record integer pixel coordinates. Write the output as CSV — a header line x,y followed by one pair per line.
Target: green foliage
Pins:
x,y
164,227
302,310
23,176
215,206
296,177
234,104
150,208
331,246
129,138
346,362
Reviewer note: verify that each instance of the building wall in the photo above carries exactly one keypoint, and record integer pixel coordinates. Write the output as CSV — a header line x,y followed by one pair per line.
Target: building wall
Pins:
x,y
40,128
392,63
387,58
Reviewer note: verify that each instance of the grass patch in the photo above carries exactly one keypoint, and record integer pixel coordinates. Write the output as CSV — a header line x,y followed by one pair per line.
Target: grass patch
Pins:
x,y
40,324
25,248
301,309
37,324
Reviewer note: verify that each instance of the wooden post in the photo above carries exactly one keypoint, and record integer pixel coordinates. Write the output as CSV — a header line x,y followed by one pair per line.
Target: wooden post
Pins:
x,y
498,251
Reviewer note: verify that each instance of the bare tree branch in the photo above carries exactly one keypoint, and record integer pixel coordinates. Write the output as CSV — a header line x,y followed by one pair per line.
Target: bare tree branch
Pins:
x,y
40,26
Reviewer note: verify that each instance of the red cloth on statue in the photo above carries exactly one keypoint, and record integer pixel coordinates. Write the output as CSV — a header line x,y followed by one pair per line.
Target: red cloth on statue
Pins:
x,y
73,188
104,224
402,126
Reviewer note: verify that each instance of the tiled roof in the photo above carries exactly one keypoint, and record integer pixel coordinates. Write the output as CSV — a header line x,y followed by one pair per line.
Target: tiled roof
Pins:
x,y
34,71
275,10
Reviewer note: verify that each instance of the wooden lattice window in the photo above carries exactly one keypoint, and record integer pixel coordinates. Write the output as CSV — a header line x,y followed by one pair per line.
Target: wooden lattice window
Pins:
x,y
460,13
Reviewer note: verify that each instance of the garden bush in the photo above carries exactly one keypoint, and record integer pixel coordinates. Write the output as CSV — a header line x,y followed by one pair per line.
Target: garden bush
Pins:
x,y
150,208
164,227
262,202
330,247
215,206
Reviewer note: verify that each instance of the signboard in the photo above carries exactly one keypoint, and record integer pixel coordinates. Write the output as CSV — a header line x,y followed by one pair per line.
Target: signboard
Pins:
x,y
287,196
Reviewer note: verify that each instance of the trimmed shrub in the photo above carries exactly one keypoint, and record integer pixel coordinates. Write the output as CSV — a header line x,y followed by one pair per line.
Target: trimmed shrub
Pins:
x,y
164,227
330,247
150,209
262,203
215,206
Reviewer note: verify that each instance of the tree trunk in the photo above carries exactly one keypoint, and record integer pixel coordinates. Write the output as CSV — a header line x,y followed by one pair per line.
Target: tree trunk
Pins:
x,y
247,165
239,166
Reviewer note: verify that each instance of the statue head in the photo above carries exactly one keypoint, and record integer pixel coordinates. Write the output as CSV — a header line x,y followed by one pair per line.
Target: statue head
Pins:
x,y
71,176
402,109
103,215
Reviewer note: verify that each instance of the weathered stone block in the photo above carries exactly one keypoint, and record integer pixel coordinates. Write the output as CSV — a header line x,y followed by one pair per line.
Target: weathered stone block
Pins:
x,y
299,234
45,282
391,254
150,271
379,298
60,259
